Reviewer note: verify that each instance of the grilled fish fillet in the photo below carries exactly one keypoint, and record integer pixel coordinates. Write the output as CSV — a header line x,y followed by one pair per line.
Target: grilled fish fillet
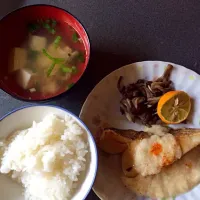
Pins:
x,y
150,153
178,178
187,138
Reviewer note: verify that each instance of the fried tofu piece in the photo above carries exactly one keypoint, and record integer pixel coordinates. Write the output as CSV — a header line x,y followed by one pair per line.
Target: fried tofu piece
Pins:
x,y
26,78
50,88
43,61
59,52
18,59
37,43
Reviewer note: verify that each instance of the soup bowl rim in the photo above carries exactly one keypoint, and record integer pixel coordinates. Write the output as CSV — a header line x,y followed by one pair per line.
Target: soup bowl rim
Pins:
x,y
11,93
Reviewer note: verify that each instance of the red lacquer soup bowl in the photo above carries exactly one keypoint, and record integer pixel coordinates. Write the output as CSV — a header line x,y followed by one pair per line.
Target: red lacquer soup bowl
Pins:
x,y
14,30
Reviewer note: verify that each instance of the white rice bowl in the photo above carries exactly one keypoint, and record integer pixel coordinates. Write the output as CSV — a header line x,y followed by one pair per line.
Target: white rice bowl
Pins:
x,y
50,159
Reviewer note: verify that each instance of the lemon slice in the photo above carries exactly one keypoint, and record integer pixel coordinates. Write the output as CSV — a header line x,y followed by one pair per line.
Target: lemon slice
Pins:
x,y
174,107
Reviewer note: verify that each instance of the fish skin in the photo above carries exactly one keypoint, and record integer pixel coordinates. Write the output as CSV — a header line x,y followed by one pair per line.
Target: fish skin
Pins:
x,y
129,133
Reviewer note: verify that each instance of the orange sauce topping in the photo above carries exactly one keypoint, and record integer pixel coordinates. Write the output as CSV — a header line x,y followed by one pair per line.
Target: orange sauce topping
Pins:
x,y
156,149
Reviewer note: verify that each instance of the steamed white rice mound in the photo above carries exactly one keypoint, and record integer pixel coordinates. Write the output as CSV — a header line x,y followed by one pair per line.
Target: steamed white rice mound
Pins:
x,y
46,158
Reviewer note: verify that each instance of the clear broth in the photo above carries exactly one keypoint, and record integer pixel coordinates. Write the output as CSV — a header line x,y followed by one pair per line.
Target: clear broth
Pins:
x,y
42,80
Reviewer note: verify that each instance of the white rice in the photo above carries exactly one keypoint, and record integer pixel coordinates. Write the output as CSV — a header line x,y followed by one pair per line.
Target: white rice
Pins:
x,y
47,158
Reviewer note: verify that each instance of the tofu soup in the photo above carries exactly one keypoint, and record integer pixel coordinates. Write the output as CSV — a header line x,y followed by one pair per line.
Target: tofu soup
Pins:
x,y
49,60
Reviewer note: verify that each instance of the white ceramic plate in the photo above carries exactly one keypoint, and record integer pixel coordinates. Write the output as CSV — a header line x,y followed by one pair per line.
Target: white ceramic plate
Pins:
x,y
102,109
23,118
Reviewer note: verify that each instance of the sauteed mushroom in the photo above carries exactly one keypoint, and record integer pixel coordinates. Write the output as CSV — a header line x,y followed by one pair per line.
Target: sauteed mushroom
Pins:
x,y
140,99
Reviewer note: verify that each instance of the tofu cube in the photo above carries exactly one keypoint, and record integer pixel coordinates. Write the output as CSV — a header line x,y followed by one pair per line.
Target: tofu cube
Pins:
x,y
52,50
25,78
66,77
18,59
50,88
59,52
43,62
73,56
64,52
37,43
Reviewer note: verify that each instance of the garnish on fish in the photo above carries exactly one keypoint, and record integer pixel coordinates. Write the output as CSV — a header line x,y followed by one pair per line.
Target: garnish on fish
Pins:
x,y
174,107
155,152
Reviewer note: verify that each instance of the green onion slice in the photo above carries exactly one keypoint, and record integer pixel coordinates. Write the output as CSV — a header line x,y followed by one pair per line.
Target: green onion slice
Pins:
x,y
56,60
65,69
57,41
75,37
49,71
70,85
74,69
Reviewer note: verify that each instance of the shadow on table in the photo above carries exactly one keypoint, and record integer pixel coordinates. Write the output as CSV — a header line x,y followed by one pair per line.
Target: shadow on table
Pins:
x,y
100,65
8,6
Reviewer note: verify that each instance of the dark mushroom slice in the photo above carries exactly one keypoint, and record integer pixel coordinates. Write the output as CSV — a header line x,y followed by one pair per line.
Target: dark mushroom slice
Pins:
x,y
129,133
136,93
145,118
153,100
137,101
140,81
130,116
166,75
128,93
146,92
119,84
126,105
